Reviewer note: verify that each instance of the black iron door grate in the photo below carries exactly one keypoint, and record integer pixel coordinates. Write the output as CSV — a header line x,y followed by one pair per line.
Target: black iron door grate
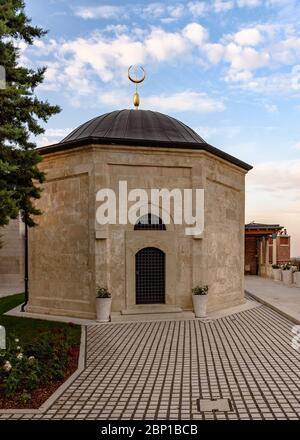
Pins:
x,y
150,276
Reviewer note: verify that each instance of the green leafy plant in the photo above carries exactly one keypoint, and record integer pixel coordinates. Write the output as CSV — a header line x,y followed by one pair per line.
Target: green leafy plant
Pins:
x,y
103,292
18,371
44,360
275,266
200,290
296,263
51,350
286,266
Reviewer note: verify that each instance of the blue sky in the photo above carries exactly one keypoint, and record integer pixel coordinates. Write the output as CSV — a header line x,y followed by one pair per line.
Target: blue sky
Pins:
x,y
230,69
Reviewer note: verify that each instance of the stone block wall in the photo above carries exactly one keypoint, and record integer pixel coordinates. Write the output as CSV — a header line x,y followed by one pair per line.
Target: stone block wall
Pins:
x,y
70,253
12,257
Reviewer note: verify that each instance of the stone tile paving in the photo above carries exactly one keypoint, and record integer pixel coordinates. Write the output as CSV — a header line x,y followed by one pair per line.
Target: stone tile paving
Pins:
x,y
158,370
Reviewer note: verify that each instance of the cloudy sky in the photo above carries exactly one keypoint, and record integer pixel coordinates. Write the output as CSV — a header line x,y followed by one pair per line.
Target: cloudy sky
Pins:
x,y
230,69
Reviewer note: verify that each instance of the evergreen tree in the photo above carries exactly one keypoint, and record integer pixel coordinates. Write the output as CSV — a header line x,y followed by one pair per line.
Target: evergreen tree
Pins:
x,y
20,114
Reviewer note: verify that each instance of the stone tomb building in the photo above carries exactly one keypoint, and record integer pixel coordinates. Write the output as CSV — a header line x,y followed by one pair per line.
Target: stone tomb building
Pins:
x,y
147,267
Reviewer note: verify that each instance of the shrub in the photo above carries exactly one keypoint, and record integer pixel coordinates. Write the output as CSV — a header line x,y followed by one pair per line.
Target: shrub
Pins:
x,y
42,361
18,371
103,292
51,350
200,290
296,262
275,266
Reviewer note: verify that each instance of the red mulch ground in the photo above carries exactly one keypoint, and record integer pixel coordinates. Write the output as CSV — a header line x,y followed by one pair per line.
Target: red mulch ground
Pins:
x,y
39,396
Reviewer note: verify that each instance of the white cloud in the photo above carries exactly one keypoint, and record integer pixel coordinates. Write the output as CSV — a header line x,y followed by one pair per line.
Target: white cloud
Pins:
x,y
296,146
280,2
154,10
287,51
57,132
198,9
248,37
177,102
209,132
277,176
249,3
279,83
184,101
78,64
176,11
295,78
214,52
223,5
238,76
161,45
160,11
52,136
245,58
271,108
103,11
272,196
86,56
196,33
45,47
116,28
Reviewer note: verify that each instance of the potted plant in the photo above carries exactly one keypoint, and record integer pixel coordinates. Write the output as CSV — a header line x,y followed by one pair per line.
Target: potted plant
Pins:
x,y
287,274
200,300
103,304
276,272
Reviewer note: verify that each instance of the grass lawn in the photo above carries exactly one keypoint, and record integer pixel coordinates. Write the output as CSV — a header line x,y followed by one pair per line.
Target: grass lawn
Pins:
x,y
27,328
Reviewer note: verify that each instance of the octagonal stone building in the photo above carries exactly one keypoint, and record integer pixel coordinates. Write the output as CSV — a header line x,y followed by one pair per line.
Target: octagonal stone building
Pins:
x,y
150,266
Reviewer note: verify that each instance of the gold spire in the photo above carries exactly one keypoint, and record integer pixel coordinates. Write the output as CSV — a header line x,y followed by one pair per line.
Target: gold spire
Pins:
x,y
136,74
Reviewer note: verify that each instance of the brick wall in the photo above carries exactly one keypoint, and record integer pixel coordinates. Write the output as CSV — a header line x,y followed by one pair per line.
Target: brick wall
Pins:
x,y
252,248
250,255
283,248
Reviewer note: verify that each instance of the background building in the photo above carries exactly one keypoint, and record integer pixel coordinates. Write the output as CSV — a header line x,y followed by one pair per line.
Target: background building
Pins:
x,y
265,245
12,257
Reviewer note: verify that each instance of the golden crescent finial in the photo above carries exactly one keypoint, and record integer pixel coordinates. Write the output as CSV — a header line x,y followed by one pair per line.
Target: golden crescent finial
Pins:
x,y
136,81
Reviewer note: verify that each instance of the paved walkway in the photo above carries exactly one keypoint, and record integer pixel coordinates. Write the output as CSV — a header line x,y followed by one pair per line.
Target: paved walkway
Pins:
x,y
8,291
276,295
158,370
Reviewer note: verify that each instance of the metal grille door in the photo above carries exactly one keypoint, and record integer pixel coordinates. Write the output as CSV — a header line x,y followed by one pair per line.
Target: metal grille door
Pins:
x,y
150,276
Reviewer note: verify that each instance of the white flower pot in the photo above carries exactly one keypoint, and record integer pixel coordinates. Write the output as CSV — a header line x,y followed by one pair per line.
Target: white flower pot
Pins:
x,y
199,303
287,277
276,274
103,307
297,278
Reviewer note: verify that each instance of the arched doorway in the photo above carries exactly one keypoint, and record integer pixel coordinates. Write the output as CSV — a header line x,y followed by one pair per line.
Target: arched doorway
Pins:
x,y
150,276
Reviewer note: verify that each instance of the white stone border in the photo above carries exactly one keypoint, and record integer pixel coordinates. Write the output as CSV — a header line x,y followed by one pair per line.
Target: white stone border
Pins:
x,y
45,406
45,317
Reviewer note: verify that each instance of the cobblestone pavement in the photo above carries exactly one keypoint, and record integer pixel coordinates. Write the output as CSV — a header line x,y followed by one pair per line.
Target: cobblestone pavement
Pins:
x,y
158,370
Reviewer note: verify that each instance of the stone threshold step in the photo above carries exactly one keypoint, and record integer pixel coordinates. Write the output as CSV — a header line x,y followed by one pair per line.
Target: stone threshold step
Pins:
x,y
151,309
117,317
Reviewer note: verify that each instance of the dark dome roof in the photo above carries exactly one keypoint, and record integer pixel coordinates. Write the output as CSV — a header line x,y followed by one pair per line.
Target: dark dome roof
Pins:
x,y
138,128
141,125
